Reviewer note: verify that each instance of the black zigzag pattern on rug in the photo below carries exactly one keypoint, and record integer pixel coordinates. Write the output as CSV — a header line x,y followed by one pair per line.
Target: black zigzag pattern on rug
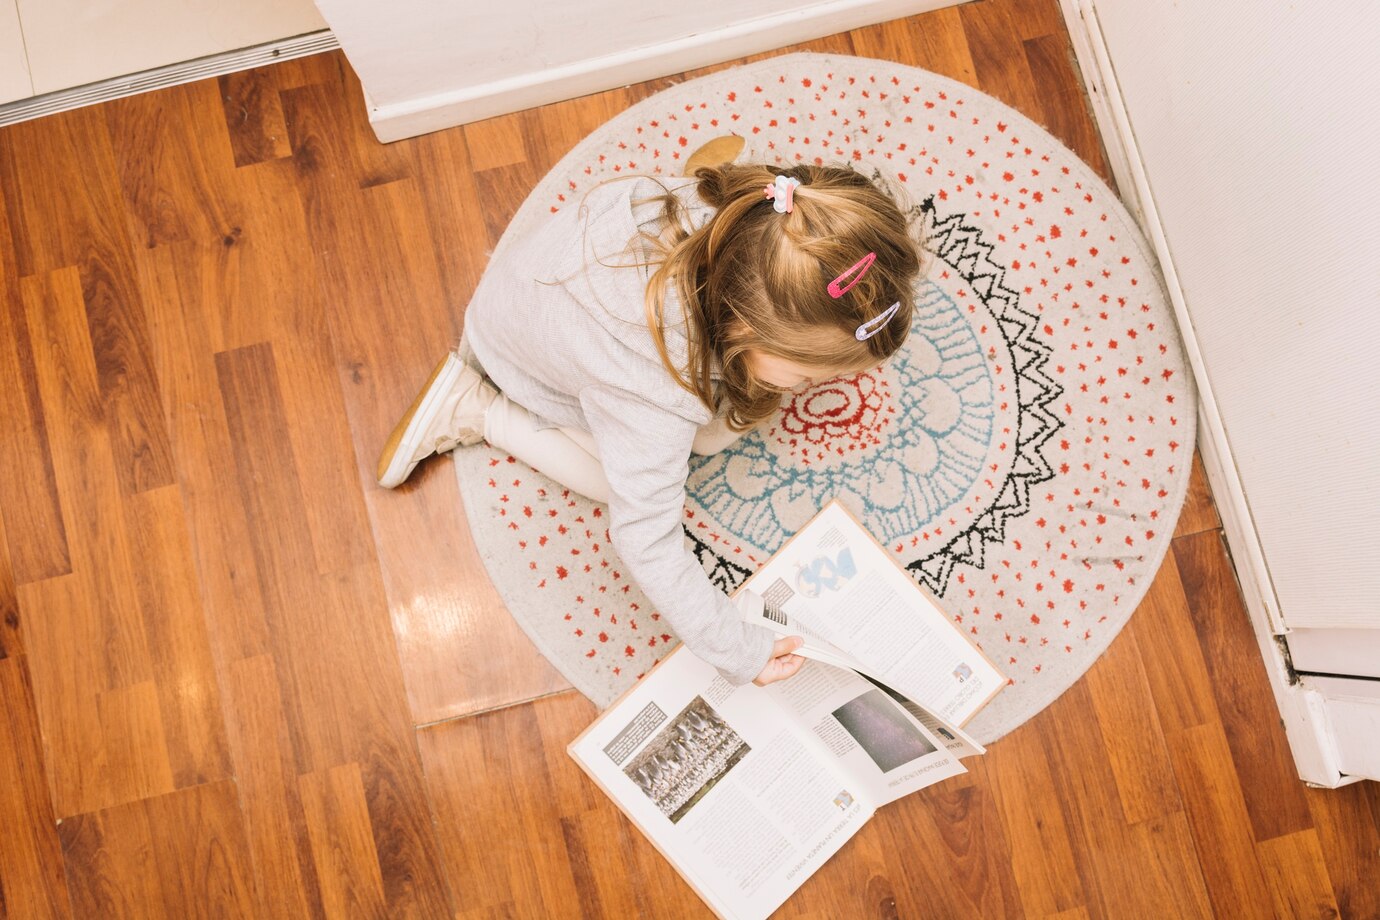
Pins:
x,y
725,575
960,245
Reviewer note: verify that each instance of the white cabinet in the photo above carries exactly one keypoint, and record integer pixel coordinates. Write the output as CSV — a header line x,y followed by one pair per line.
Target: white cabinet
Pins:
x,y
1246,133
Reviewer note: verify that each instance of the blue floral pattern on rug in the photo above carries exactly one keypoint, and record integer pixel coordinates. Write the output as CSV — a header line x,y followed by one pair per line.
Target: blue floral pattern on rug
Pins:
x,y
906,441
938,448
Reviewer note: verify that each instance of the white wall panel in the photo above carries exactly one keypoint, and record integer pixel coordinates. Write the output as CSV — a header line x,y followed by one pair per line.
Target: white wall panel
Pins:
x,y
1259,128
430,64
498,41
74,42
14,62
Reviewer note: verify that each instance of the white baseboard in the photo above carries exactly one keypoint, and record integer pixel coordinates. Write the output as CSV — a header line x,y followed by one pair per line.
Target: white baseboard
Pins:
x,y
1302,710
462,105
172,75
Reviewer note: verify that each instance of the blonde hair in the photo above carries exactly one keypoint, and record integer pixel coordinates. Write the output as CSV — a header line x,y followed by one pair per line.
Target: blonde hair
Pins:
x,y
754,279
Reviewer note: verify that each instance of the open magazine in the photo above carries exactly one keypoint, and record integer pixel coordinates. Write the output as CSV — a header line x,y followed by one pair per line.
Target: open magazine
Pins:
x,y
836,587
748,790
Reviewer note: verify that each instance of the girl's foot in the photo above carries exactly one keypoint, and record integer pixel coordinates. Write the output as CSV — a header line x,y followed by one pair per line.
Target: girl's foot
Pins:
x,y
447,413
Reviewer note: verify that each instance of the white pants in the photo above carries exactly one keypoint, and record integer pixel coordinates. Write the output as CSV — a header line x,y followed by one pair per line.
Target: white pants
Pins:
x,y
569,455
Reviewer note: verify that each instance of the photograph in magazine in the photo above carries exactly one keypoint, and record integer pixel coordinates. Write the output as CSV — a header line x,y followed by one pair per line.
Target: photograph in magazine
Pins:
x,y
825,573
684,761
882,731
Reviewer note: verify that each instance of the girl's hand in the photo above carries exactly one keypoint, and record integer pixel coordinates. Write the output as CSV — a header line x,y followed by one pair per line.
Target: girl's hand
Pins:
x,y
783,663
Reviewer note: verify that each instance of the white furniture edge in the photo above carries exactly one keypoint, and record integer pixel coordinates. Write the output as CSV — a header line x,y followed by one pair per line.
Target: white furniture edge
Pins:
x,y
1331,651
399,120
1302,710
1353,705
172,75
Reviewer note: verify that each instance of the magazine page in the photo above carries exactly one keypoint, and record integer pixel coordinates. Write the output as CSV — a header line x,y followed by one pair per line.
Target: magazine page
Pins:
x,y
726,788
955,740
835,580
755,610
880,746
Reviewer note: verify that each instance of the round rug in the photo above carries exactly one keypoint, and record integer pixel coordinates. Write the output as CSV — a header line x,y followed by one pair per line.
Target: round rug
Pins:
x,y
1025,456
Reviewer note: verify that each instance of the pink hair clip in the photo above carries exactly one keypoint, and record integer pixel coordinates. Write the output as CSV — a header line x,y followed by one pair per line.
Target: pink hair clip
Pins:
x,y
861,266
783,191
873,326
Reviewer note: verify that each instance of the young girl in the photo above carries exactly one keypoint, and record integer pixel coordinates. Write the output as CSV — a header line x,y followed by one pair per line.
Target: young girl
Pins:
x,y
660,319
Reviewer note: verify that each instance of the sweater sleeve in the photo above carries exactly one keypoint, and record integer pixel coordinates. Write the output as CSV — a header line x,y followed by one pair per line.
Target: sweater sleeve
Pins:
x,y
645,452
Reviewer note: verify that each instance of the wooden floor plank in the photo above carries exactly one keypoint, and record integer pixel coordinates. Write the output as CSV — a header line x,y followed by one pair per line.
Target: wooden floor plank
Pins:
x,y
1092,781
460,649
58,201
172,160
498,804
1049,59
200,849
266,772
454,215
66,210
503,189
92,672
886,41
338,824
1199,513
1212,794
938,43
999,59
341,687
1130,730
254,115
1250,718
310,70
1297,876
177,856
184,285
935,42
498,141
179,648
1348,834
29,503
32,884
372,163
272,498
275,244
1171,658
1041,849
1034,18
959,828
364,685
11,636
547,133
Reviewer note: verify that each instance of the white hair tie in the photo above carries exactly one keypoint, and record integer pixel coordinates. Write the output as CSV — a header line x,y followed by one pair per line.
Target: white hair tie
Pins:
x,y
783,193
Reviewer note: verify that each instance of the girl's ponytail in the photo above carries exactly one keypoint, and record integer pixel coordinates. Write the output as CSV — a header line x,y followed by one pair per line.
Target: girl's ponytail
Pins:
x,y
755,280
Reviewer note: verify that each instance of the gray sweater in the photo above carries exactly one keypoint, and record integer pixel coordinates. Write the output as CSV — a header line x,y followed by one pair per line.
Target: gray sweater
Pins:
x,y
566,337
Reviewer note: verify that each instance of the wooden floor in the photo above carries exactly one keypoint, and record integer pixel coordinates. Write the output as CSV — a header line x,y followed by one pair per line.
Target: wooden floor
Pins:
x,y
239,679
